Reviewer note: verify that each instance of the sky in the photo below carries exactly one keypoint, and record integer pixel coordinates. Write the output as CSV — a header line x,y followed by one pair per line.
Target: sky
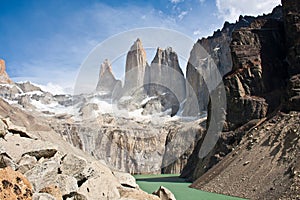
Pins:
x,y
46,41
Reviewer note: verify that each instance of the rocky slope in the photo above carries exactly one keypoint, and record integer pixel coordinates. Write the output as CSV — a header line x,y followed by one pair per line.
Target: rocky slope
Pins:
x,y
265,164
37,164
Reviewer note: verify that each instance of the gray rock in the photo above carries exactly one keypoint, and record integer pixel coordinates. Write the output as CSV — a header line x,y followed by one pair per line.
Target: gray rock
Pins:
x,y
74,166
3,129
107,80
126,179
43,175
164,193
135,67
42,196
67,184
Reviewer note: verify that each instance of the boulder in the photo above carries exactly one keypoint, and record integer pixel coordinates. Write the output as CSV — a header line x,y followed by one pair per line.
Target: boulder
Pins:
x,y
43,196
164,194
126,179
53,190
3,129
13,185
74,166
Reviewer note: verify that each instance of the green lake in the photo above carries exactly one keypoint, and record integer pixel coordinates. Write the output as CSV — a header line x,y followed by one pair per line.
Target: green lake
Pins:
x,y
178,186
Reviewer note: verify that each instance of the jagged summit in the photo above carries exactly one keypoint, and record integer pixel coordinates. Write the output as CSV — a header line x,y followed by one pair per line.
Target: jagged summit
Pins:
x,y
107,80
136,62
105,67
4,78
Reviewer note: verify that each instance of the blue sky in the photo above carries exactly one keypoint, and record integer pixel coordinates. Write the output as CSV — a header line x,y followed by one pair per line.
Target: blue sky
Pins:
x,y
47,40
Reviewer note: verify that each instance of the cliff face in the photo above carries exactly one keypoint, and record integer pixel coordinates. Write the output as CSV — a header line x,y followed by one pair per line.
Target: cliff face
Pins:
x,y
164,78
291,11
107,80
265,68
254,86
217,47
134,147
136,62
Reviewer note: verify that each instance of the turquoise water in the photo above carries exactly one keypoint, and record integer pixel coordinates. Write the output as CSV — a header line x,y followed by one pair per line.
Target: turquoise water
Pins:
x,y
177,186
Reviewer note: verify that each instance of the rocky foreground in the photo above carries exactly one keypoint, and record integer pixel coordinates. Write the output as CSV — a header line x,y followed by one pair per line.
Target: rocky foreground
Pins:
x,y
37,164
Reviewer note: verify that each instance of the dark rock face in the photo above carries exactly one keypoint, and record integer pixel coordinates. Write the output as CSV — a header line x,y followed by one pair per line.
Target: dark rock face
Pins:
x,y
258,71
291,11
294,93
255,86
218,48
107,80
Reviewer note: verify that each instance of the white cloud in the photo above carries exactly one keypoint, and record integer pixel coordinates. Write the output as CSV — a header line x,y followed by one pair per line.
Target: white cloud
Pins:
x,y
197,32
230,10
182,14
176,1
201,1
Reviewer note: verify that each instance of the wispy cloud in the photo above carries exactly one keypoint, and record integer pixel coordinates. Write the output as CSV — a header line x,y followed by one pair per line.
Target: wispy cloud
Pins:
x,y
176,1
182,14
231,10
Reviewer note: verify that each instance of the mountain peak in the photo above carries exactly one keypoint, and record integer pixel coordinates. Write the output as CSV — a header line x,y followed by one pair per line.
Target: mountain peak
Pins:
x,y
4,78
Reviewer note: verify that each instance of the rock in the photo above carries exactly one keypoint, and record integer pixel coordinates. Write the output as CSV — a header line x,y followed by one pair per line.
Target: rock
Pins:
x,y
3,129
15,129
126,179
87,111
28,87
26,163
43,196
6,161
214,50
74,166
97,188
43,174
134,194
43,153
291,11
294,93
254,74
107,80
4,79
14,185
135,67
66,184
75,196
53,190
164,193
165,75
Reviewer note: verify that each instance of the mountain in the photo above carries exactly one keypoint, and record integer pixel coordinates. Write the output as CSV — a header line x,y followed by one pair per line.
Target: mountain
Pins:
x,y
216,48
3,75
107,81
256,156
85,146
136,62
